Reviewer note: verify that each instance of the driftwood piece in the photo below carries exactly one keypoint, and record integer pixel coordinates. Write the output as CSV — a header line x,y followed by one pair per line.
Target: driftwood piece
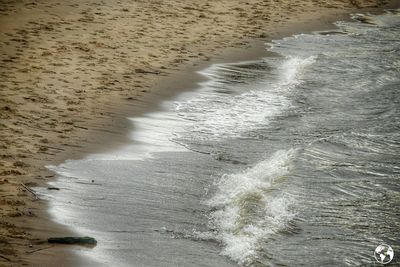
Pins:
x,y
69,240
147,71
53,188
4,257
39,249
30,190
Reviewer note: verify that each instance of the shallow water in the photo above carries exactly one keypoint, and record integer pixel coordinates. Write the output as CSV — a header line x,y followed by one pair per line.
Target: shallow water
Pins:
x,y
292,160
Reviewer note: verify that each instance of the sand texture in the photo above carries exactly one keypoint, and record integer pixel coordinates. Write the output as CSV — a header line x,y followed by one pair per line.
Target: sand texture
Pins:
x,y
65,65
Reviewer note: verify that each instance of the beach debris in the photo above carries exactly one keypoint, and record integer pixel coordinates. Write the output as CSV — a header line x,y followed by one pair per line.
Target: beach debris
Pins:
x,y
147,71
81,127
70,240
4,257
333,33
53,188
38,249
29,190
263,35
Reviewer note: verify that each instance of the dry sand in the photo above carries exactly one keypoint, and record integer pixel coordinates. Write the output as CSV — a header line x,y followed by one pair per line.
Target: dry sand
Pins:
x,y
67,66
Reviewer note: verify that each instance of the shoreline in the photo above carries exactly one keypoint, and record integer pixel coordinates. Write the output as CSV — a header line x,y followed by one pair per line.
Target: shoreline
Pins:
x,y
101,130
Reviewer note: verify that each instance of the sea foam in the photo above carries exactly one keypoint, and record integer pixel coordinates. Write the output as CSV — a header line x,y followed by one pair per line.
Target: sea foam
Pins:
x,y
214,115
244,214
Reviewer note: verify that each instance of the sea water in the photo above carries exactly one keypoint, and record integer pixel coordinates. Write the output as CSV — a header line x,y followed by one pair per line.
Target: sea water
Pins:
x,y
291,160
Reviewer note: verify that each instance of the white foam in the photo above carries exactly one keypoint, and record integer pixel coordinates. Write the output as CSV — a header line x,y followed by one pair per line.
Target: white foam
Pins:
x,y
215,115
245,214
292,69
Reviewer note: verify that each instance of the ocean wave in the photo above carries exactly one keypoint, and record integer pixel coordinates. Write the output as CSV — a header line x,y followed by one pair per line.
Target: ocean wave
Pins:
x,y
216,116
244,214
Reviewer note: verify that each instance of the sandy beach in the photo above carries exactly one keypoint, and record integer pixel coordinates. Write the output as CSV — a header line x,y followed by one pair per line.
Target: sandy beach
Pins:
x,y
72,70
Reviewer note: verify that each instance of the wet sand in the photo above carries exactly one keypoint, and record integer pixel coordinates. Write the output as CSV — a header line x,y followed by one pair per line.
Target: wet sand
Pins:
x,y
72,71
